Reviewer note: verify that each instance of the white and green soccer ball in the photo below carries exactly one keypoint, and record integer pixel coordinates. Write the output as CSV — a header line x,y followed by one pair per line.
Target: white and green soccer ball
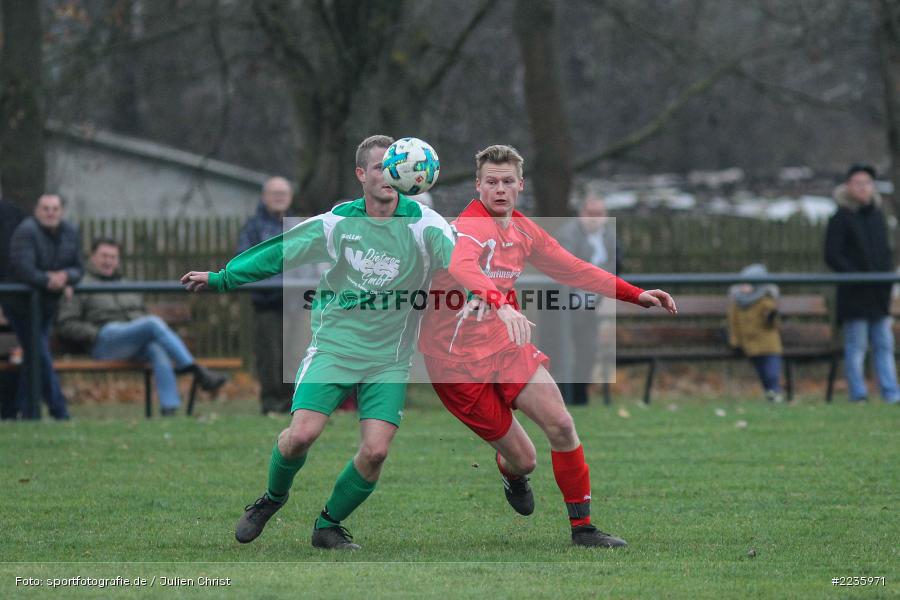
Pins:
x,y
410,166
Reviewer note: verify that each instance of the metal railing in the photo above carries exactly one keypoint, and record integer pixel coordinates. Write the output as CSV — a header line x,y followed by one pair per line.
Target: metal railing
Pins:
x,y
645,280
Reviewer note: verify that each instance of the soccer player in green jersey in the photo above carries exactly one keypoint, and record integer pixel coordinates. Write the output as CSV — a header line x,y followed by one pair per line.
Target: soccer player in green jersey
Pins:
x,y
382,248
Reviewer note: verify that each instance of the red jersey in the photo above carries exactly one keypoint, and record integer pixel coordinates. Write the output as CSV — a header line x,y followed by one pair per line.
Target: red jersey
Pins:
x,y
487,260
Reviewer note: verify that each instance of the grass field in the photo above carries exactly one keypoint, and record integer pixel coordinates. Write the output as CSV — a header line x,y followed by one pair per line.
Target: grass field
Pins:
x,y
777,508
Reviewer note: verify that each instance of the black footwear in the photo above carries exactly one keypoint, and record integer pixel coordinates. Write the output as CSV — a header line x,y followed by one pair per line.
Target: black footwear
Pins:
x,y
588,535
333,538
209,381
168,412
255,517
519,494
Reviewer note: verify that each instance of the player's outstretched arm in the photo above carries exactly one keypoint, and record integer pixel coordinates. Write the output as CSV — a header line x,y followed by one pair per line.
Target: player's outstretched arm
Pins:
x,y
651,298
302,244
195,281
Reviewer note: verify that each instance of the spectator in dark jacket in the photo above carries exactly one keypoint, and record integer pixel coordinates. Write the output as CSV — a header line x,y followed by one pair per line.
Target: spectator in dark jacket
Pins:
x,y
574,333
857,240
275,395
45,254
117,326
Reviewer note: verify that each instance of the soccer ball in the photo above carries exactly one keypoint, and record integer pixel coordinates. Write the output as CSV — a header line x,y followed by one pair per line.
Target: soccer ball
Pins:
x,y
410,166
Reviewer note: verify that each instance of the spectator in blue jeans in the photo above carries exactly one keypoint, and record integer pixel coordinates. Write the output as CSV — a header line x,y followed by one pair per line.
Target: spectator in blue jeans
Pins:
x,y
856,240
117,326
44,254
275,395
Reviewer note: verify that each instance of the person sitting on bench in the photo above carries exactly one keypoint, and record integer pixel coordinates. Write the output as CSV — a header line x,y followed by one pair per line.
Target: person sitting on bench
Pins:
x,y
117,326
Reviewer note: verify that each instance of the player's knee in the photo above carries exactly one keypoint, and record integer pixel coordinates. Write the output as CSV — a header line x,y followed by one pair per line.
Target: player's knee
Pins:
x,y
523,461
373,455
527,464
297,442
561,426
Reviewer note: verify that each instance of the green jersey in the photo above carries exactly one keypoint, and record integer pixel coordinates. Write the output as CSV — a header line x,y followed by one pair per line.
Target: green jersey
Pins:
x,y
369,301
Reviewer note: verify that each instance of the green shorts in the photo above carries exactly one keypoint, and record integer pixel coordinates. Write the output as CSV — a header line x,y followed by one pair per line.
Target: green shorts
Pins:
x,y
324,380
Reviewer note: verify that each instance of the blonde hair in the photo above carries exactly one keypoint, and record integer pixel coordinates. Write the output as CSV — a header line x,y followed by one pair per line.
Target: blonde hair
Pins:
x,y
373,141
499,154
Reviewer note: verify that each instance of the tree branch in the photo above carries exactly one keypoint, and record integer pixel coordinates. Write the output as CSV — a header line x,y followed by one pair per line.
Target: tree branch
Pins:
x,y
215,33
78,50
333,34
450,59
684,54
282,38
656,124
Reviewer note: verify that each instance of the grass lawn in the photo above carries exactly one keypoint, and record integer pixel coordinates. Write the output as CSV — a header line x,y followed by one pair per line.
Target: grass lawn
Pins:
x,y
711,508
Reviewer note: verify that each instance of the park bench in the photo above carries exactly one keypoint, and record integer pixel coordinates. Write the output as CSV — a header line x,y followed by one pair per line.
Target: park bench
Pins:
x,y
175,314
699,334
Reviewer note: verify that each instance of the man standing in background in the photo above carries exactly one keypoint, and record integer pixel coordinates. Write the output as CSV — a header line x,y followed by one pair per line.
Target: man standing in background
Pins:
x,y
44,253
857,241
573,339
275,395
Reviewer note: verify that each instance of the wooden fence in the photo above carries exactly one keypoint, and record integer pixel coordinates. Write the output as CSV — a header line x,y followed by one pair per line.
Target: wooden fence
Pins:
x,y
689,244
157,249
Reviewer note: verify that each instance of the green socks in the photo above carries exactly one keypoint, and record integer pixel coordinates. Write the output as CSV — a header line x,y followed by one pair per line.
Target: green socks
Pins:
x,y
350,490
281,474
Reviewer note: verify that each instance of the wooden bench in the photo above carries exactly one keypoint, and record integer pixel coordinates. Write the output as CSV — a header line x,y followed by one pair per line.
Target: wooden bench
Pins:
x,y
699,333
173,313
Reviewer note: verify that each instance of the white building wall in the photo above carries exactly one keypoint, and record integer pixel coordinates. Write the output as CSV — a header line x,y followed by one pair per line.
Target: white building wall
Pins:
x,y
114,176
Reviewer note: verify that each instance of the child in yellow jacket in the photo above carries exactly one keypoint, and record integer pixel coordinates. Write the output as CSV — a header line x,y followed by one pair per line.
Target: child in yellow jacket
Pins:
x,y
753,329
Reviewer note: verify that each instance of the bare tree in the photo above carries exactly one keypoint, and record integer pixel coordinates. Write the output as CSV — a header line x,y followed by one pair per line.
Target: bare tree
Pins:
x,y
552,171
124,116
888,36
290,86
330,52
553,149
22,163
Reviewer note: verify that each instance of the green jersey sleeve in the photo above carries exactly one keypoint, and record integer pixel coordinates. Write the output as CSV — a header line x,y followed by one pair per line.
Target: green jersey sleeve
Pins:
x,y
439,239
305,243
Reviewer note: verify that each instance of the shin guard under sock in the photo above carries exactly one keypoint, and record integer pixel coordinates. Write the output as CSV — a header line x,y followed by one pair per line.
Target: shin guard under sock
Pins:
x,y
281,474
574,480
350,490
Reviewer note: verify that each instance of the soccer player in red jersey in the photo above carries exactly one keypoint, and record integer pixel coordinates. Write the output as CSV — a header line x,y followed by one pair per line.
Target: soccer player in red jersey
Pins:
x,y
484,368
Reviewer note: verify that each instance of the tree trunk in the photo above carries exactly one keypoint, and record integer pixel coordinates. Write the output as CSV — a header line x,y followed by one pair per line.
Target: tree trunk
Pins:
x,y
889,53
551,173
888,37
324,164
123,70
22,162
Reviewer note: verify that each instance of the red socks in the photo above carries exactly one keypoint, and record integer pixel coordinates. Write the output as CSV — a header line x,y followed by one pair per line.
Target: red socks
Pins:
x,y
574,480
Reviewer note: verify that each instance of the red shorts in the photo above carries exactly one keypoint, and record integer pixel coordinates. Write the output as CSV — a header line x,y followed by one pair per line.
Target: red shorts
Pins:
x,y
483,394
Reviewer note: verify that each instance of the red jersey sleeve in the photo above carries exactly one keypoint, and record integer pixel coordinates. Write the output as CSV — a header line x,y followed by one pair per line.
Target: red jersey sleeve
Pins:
x,y
563,266
465,268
